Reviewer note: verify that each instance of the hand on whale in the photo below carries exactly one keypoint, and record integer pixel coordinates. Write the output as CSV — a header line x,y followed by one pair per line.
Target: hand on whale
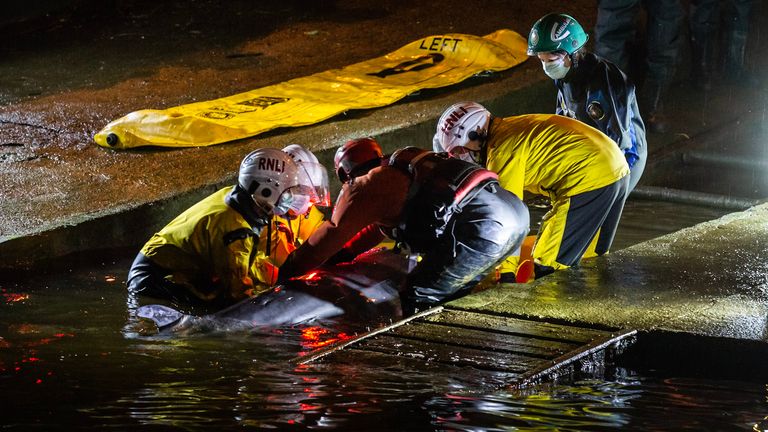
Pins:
x,y
362,291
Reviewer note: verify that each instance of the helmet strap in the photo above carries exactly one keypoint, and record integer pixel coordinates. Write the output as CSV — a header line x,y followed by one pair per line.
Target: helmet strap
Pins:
x,y
575,57
483,153
240,200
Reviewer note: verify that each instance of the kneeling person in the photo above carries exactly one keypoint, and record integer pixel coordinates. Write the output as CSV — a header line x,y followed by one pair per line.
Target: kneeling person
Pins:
x,y
206,255
452,212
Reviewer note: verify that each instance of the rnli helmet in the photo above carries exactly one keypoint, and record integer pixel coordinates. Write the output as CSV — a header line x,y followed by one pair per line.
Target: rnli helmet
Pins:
x,y
556,32
315,173
272,179
462,129
356,157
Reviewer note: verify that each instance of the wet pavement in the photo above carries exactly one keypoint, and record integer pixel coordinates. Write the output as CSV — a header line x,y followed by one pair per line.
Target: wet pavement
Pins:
x,y
67,77
710,279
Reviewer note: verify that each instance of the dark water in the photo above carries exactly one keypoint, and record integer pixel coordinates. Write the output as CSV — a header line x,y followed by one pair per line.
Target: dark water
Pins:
x,y
71,357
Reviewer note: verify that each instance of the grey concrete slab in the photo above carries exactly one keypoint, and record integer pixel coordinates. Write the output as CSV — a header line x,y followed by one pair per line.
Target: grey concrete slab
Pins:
x,y
710,279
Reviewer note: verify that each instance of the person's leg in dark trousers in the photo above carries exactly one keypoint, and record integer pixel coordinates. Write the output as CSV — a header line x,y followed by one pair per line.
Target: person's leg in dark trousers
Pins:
x,y
663,46
608,229
591,213
483,234
736,17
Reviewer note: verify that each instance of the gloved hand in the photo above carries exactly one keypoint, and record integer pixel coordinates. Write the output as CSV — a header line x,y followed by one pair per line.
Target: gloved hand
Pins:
x,y
507,277
408,306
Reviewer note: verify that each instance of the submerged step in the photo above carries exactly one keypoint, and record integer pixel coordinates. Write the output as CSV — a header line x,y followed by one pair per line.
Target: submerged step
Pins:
x,y
523,350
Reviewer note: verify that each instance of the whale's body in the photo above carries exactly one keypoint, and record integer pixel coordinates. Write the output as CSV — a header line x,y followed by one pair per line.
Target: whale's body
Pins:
x,y
362,291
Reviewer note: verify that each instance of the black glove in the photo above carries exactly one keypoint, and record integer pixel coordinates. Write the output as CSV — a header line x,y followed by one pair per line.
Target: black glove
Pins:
x,y
507,277
285,270
408,306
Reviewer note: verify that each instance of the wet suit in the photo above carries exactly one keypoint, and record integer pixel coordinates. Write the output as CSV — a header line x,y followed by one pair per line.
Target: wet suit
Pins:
x,y
598,93
490,225
208,255
580,169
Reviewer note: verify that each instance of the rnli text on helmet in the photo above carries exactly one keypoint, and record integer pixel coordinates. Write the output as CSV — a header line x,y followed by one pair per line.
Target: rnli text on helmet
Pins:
x,y
450,122
271,164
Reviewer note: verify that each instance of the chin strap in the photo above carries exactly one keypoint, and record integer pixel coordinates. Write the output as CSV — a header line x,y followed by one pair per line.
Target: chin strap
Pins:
x,y
482,154
241,201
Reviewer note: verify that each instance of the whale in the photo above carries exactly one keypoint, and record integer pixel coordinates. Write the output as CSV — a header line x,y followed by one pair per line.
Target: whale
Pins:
x,y
363,291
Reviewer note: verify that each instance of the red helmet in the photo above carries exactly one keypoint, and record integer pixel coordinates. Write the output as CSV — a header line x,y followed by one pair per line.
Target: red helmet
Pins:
x,y
356,157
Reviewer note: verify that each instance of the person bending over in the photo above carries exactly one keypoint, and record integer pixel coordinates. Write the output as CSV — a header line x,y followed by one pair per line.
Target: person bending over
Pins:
x,y
577,167
207,256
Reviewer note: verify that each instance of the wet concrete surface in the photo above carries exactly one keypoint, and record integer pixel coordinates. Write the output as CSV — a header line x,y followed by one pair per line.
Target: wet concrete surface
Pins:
x,y
710,279
65,77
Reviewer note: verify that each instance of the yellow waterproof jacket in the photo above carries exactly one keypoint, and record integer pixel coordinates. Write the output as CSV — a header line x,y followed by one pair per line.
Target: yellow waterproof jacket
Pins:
x,y
552,155
202,253
283,237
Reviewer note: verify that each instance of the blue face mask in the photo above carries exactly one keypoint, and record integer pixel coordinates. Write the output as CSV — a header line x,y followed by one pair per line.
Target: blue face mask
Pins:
x,y
555,69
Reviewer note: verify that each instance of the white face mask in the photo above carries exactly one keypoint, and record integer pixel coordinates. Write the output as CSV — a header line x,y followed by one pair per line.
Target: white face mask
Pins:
x,y
299,206
555,69
284,203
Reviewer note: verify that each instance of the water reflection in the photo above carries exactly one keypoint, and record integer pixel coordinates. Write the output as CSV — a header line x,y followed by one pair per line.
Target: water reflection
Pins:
x,y
630,402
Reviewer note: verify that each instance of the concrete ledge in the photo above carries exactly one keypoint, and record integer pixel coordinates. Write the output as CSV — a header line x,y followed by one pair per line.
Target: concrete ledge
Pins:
x,y
683,354
408,123
709,279
113,228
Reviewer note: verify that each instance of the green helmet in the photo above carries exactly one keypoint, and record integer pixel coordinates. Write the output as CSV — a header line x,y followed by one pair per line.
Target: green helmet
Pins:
x,y
556,32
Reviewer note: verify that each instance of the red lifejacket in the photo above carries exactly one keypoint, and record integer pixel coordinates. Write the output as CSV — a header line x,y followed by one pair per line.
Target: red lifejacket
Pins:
x,y
441,187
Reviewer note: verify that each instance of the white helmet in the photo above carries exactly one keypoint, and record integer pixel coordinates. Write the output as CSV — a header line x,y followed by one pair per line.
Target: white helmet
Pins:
x,y
316,176
271,178
463,126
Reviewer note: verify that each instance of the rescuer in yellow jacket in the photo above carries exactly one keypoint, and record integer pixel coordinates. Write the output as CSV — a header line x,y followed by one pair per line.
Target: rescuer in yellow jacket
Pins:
x,y
287,232
579,168
207,254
